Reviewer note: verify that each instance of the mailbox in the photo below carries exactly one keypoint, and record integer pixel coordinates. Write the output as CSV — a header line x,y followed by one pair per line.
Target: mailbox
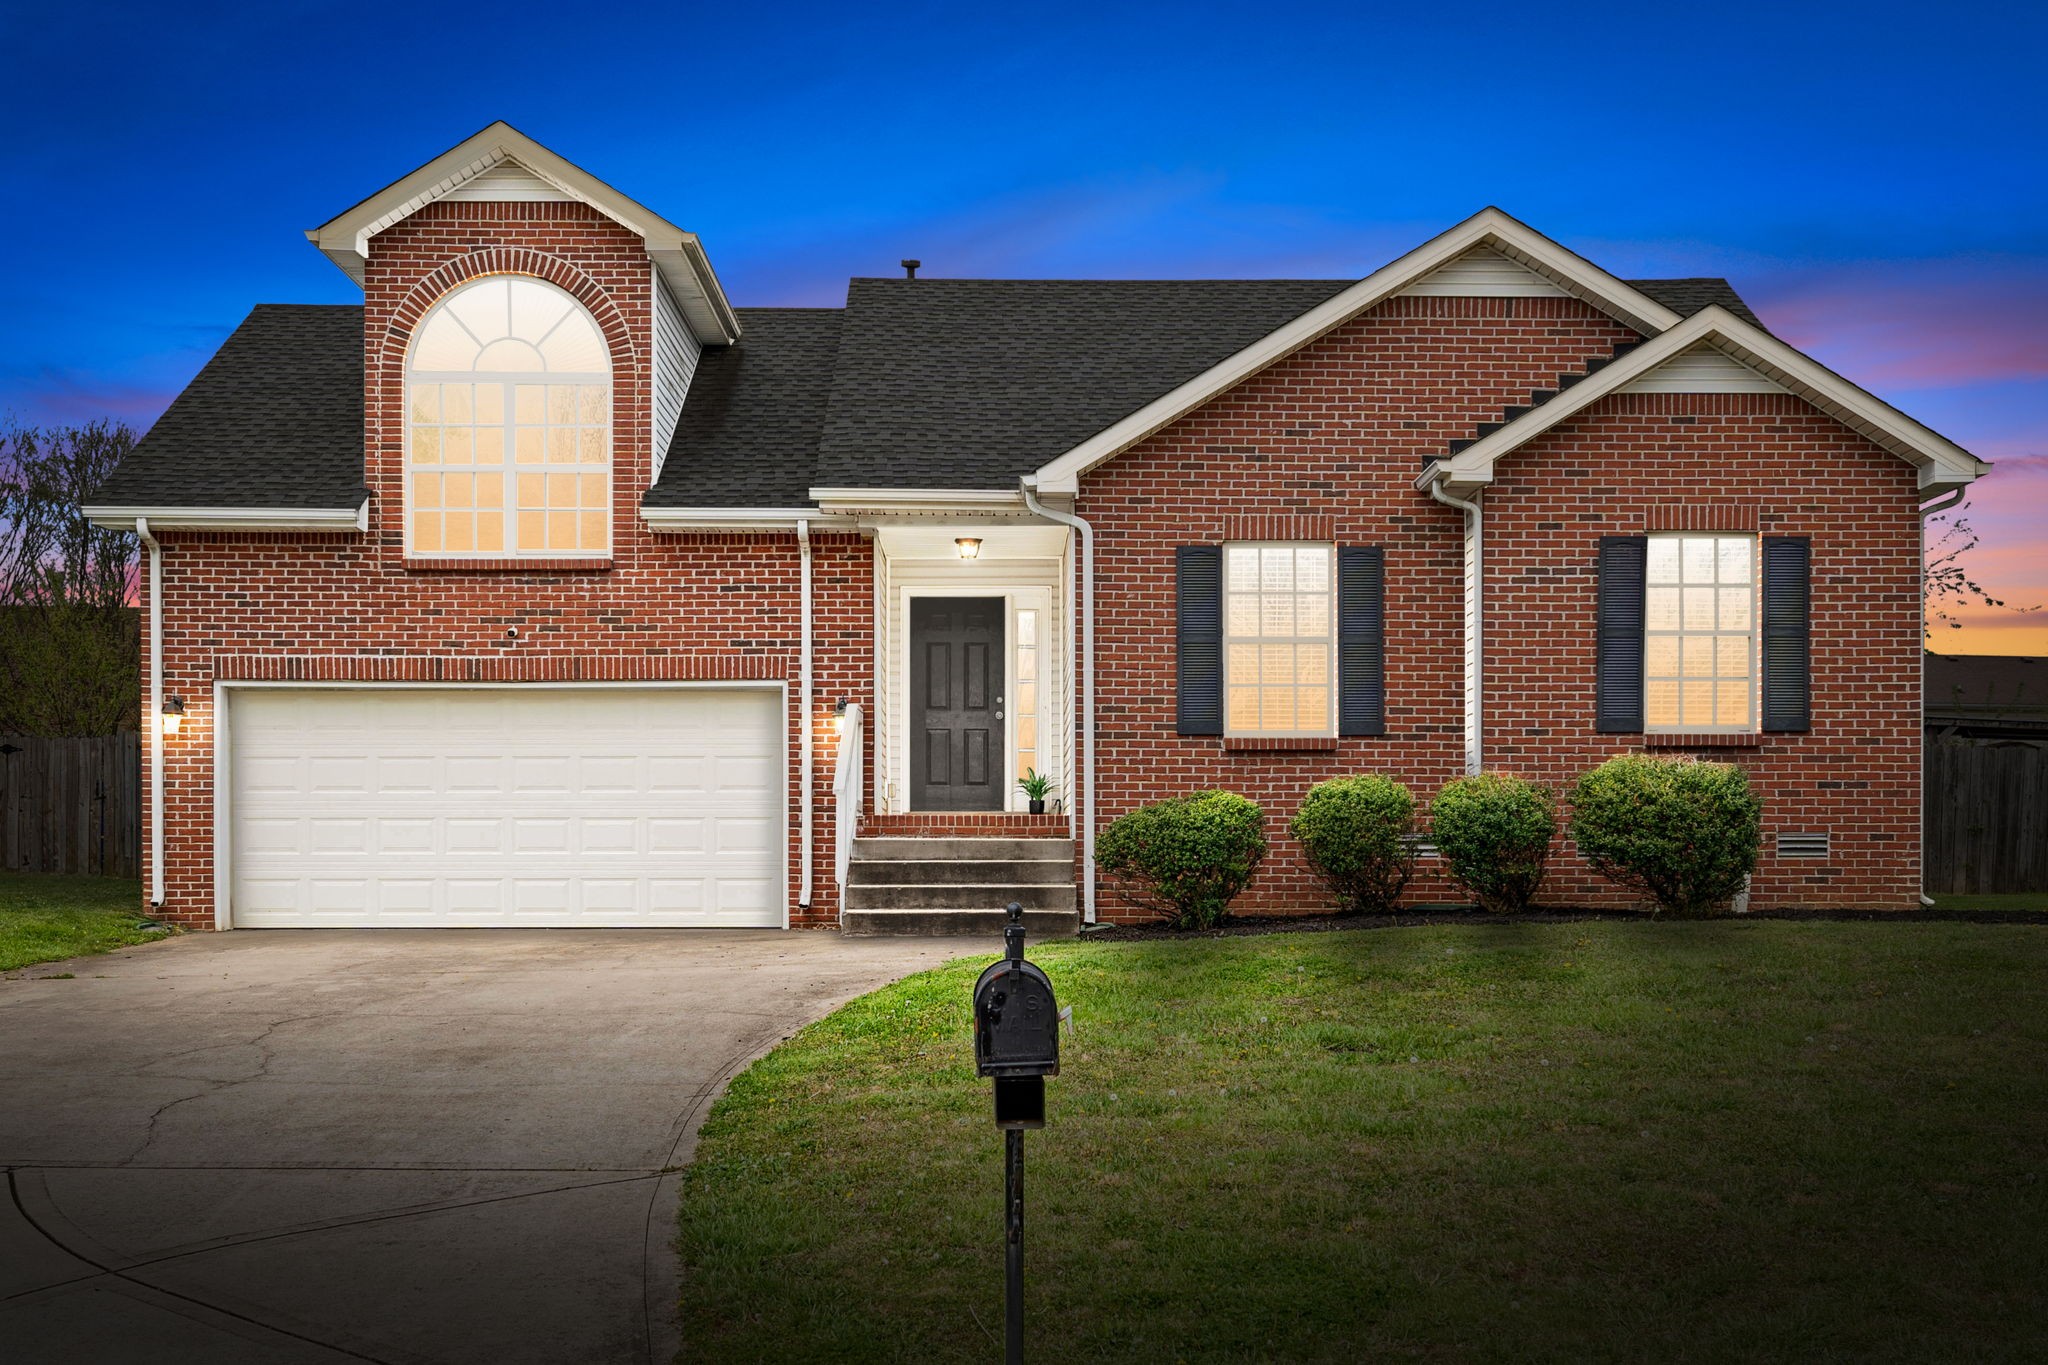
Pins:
x,y
1016,1031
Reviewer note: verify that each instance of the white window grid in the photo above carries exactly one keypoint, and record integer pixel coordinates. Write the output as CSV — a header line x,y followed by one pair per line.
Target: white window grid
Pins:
x,y
551,437
1701,671
1279,640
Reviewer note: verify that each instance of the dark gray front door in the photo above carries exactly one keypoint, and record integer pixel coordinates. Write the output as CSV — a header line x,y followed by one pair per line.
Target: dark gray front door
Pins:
x,y
956,703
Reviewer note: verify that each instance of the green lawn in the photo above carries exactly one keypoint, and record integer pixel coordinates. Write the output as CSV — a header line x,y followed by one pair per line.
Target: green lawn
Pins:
x,y
1586,1142
44,919
2018,900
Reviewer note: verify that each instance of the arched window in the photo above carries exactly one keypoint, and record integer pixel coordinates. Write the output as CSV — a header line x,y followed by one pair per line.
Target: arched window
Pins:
x,y
508,442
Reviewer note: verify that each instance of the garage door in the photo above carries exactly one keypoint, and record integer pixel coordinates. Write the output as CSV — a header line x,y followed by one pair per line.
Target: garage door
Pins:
x,y
531,806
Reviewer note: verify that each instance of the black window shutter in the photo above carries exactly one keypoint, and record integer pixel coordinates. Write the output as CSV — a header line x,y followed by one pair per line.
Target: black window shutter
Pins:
x,y
1788,633
1618,649
1198,585
1361,640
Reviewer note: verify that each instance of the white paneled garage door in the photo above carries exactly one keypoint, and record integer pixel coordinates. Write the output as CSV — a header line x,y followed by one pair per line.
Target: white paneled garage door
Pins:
x,y
536,806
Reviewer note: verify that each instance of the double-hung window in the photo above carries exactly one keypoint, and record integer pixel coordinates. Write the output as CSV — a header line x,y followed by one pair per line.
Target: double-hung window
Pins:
x,y
1700,641
508,434
1279,627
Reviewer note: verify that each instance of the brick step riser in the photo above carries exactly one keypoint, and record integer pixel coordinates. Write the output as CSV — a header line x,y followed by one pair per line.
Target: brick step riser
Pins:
x,y
960,872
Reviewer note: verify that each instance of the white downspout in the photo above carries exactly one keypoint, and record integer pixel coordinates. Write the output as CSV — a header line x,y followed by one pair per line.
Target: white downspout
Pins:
x,y
1086,535
1474,762
803,540
155,719
1938,505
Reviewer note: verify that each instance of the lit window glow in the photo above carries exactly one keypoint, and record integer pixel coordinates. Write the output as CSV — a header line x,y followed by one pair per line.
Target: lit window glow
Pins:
x,y
1699,647
1278,643
508,399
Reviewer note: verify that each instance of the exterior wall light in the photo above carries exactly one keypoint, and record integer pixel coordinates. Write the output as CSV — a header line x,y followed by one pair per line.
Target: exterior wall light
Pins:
x,y
970,546
173,715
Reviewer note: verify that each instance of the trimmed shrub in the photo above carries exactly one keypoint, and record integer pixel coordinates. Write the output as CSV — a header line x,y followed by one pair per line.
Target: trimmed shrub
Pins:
x,y
1185,859
1683,832
1354,831
1494,833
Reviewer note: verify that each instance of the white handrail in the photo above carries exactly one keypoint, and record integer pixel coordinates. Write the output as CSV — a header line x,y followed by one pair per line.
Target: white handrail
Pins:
x,y
846,788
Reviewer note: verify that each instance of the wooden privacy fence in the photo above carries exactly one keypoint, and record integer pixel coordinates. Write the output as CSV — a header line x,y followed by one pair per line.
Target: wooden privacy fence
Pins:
x,y
1986,817
71,805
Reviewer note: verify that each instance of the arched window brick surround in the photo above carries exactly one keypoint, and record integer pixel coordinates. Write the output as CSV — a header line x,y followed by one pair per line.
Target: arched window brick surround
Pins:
x,y
386,383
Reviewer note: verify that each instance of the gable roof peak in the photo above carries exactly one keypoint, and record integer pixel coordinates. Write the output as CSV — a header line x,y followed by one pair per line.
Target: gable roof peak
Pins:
x,y
685,270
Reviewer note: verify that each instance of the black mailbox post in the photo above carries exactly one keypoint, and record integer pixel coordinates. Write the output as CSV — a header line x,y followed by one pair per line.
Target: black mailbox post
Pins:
x,y
1017,1045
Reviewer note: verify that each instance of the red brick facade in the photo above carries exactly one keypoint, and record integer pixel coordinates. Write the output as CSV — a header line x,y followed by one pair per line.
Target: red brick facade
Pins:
x,y
324,607
1335,435
1323,445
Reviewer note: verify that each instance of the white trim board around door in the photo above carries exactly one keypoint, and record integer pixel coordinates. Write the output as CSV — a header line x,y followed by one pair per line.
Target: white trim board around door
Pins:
x,y
605,805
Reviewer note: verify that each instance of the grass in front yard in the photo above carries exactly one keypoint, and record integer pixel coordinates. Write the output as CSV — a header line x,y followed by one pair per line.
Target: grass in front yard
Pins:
x,y
2017,900
1598,1141
45,919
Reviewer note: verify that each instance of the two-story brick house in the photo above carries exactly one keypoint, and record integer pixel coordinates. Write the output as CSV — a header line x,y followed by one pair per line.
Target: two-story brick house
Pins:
x,y
548,587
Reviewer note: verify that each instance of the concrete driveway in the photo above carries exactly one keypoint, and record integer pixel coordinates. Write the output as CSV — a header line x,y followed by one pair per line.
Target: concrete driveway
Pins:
x,y
396,1145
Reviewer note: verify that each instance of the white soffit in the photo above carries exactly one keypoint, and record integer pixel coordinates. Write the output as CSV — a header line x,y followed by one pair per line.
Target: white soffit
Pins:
x,y
1943,464
1484,273
1703,369
1490,229
511,159
1038,541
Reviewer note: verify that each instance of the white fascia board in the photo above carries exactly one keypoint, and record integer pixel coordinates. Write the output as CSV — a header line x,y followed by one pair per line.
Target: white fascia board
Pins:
x,y
1488,227
233,518
345,238
963,500
1942,463
675,520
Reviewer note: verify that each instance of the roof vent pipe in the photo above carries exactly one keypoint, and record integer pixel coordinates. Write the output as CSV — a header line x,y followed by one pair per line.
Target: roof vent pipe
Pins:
x,y
910,268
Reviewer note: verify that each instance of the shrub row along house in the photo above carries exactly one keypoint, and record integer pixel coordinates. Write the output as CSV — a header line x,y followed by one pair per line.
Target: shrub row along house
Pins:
x,y
548,587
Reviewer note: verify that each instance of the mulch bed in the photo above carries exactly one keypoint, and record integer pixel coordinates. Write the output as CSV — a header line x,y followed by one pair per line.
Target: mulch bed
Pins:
x,y
1247,925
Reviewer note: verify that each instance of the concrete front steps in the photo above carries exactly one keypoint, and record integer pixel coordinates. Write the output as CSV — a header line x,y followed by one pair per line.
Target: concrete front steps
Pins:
x,y
960,885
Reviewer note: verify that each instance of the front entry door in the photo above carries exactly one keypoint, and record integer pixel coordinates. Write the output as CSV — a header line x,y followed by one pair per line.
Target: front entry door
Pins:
x,y
956,703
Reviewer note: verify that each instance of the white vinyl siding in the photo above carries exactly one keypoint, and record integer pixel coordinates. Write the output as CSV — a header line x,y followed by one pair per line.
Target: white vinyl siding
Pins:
x,y
676,352
1700,641
1486,273
1703,369
508,181
1279,640
539,806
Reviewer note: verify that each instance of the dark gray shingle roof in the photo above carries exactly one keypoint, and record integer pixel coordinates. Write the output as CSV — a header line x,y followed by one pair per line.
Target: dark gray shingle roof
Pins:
x,y
970,383
275,419
748,435
915,383
1686,297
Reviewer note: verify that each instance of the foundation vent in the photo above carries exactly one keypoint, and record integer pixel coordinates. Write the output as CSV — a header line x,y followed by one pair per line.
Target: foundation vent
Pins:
x,y
1802,845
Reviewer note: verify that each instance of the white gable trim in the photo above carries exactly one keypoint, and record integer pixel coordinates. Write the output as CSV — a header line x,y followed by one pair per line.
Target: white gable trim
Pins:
x,y
1943,464
1487,228
685,270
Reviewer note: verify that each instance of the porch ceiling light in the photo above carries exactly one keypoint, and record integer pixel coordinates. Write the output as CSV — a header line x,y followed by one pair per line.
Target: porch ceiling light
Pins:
x,y
969,546
173,714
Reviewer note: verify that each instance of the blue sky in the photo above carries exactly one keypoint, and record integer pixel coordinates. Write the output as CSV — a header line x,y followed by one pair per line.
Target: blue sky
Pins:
x,y
1874,178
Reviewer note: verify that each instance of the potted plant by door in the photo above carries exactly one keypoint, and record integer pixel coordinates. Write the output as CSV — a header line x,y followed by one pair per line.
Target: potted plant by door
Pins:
x,y
1035,785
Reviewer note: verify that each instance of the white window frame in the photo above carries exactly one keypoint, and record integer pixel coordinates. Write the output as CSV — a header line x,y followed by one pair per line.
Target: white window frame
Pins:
x,y
1754,633
507,465
1329,731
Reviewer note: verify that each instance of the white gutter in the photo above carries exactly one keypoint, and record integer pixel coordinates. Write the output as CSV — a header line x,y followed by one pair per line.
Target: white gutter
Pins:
x,y
803,540
1939,505
1474,627
155,719
1086,535
355,518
